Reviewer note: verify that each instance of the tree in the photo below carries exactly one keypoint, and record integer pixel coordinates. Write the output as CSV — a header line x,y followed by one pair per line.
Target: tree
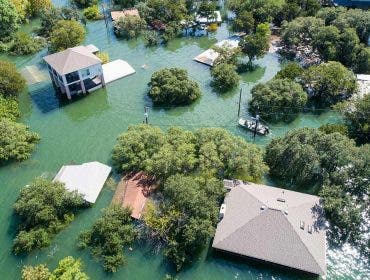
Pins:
x,y
125,3
109,235
24,44
85,3
207,9
244,22
173,86
329,82
36,7
66,34
68,268
347,45
361,60
278,99
326,41
9,108
16,141
11,82
291,71
43,209
8,19
21,7
297,8
224,77
255,45
129,26
330,165
186,217
334,127
92,13
357,117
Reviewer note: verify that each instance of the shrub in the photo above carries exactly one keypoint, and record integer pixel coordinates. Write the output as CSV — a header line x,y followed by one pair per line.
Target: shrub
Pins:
x,y
8,19
66,34
173,86
24,44
224,77
11,82
151,38
103,56
129,26
9,108
92,13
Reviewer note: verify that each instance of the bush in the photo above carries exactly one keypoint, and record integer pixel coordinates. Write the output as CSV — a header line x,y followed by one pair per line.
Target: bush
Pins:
x,y
172,86
103,56
11,82
85,3
92,13
66,34
278,99
129,26
24,44
9,108
8,19
151,38
36,7
291,71
44,208
109,235
224,77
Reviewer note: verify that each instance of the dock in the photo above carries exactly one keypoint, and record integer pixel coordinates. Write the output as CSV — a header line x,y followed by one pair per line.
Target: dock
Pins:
x,y
133,191
116,69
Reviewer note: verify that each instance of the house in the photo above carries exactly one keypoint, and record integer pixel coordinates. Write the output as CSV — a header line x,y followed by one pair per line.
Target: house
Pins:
x,y
116,15
76,70
87,179
273,225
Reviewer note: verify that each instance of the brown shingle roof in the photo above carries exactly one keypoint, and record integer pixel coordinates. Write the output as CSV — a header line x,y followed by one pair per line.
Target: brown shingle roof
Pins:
x,y
257,225
71,60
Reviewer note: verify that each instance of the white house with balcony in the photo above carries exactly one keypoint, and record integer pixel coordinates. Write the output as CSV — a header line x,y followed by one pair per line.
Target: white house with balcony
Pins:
x,y
76,70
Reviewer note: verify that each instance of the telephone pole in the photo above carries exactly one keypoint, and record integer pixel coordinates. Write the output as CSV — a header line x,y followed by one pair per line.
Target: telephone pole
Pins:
x,y
240,100
146,114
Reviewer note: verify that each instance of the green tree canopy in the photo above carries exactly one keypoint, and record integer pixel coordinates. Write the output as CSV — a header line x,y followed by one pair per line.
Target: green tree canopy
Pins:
x,y
255,45
357,118
66,34
291,71
297,8
244,22
109,235
68,269
210,151
224,77
9,108
278,99
37,7
11,82
329,82
173,86
43,209
186,217
331,165
130,26
8,19
24,44
16,141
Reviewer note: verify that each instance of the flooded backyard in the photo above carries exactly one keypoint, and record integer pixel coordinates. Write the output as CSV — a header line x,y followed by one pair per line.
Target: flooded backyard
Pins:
x,y
85,130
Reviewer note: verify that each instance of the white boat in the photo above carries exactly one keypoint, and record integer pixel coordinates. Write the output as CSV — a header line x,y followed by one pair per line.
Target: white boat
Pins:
x,y
251,125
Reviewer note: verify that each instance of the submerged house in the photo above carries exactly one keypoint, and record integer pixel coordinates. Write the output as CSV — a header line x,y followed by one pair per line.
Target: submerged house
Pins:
x,y
76,70
273,225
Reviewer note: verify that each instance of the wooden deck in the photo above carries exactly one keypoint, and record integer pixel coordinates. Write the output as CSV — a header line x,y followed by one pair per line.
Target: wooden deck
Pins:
x,y
132,191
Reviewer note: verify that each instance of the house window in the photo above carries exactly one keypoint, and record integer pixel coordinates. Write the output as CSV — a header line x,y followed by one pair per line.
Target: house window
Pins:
x,y
87,72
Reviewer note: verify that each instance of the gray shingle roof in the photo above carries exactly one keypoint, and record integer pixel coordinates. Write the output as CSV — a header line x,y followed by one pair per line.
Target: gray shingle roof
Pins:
x,y
72,59
257,225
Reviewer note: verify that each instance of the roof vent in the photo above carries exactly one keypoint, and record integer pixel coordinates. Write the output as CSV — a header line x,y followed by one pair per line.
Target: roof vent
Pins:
x,y
309,229
301,224
263,207
280,199
222,211
286,212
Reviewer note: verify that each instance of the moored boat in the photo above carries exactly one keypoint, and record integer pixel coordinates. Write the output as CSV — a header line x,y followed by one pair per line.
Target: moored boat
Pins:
x,y
251,125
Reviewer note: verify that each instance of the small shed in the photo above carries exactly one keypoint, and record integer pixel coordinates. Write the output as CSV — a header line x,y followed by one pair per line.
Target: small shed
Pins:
x,y
88,178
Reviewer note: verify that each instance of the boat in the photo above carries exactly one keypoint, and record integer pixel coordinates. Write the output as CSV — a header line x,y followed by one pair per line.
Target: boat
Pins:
x,y
251,125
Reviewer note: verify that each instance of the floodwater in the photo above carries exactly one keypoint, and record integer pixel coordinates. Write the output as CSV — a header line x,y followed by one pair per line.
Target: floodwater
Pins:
x,y
86,129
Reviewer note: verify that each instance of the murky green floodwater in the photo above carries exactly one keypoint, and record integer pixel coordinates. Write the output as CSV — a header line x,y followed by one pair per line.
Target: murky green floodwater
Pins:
x,y
85,130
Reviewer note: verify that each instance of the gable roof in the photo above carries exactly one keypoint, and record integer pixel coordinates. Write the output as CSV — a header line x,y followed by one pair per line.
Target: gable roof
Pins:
x,y
88,178
72,59
258,225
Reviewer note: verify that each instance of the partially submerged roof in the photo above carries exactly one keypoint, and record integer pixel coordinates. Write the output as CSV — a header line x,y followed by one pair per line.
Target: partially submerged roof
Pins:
x,y
116,15
209,56
275,225
116,69
92,48
87,178
217,18
72,59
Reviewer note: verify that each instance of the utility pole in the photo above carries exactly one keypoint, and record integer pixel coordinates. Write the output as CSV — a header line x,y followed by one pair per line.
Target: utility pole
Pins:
x,y
240,100
255,128
146,114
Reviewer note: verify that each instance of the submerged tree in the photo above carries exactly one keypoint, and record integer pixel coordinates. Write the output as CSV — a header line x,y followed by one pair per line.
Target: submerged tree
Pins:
x,y
66,34
130,26
9,108
278,99
224,77
173,86
109,235
43,209
11,81
8,19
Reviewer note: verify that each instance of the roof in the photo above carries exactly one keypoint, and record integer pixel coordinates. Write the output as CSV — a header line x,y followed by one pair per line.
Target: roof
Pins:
x,y
72,59
92,48
217,18
209,56
363,77
266,223
87,178
116,15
